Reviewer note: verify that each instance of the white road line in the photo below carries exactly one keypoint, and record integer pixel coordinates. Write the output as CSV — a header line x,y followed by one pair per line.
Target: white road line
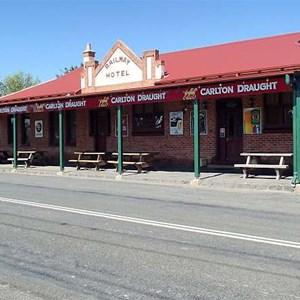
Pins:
x,y
220,233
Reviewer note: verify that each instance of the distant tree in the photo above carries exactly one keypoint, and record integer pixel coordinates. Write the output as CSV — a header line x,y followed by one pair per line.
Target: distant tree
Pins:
x,y
66,70
17,82
2,89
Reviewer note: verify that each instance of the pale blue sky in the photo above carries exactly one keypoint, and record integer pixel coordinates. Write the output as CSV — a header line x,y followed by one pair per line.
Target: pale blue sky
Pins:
x,y
43,36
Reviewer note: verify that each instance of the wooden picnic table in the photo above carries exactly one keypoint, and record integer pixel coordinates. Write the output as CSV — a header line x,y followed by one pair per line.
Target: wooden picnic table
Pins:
x,y
253,161
87,157
24,157
140,160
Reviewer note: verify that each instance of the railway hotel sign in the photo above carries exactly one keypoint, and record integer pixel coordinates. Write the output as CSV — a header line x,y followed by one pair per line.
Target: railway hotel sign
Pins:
x,y
117,69
122,70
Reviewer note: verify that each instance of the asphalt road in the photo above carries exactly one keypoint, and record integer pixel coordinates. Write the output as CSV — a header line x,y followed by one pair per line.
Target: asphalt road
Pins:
x,y
72,238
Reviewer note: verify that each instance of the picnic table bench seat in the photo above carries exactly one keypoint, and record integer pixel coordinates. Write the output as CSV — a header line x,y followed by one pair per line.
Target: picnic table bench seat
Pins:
x,y
138,164
253,162
84,158
140,160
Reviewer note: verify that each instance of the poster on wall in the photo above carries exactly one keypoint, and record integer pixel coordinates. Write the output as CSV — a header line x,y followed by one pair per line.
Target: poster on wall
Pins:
x,y
176,123
124,125
202,122
252,120
38,129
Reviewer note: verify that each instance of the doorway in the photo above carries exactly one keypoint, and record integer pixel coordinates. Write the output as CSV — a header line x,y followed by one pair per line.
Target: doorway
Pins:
x,y
100,128
230,130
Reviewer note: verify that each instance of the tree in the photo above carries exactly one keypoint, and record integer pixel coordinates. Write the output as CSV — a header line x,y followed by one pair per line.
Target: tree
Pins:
x,y
17,82
66,70
2,89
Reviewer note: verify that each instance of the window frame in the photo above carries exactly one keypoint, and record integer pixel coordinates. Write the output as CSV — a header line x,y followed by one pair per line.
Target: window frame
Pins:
x,y
25,131
148,111
10,129
53,129
70,127
93,122
282,109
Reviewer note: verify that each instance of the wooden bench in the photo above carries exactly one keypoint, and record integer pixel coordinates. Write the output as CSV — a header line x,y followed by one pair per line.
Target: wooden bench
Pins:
x,y
140,160
85,158
253,161
24,157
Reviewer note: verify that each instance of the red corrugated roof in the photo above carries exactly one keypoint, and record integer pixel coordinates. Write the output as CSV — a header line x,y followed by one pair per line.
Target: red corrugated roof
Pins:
x,y
257,54
244,56
67,84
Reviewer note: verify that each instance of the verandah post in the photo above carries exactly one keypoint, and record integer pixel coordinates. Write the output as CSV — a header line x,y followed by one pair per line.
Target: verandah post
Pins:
x,y
296,128
61,140
196,138
294,82
120,138
15,140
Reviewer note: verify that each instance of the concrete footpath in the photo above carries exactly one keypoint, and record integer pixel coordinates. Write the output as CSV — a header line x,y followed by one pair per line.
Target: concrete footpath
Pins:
x,y
210,178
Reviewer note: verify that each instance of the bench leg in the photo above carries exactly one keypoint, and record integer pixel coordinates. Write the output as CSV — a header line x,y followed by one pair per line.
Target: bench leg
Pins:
x,y
245,173
77,167
98,165
139,168
28,162
278,175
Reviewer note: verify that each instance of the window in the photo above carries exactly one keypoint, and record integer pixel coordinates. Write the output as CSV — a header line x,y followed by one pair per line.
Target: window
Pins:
x,y
92,122
10,122
71,127
25,130
99,122
104,122
278,111
53,129
148,119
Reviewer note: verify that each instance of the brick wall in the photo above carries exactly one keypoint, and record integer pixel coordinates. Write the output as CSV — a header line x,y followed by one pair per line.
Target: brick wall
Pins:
x,y
177,149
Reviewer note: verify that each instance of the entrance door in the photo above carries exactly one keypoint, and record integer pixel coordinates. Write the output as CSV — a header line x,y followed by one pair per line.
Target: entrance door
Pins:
x,y
230,131
101,123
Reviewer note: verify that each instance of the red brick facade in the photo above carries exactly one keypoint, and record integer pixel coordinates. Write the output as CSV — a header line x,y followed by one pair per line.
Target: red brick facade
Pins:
x,y
173,149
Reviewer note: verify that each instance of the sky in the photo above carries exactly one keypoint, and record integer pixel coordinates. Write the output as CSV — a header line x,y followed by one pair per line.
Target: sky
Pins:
x,y
42,37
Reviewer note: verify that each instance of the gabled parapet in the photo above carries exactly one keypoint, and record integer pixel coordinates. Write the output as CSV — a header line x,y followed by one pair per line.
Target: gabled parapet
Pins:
x,y
120,69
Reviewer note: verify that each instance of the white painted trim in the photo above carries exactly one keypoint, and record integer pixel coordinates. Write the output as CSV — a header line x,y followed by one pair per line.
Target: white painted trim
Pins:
x,y
149,67
82,82
90,76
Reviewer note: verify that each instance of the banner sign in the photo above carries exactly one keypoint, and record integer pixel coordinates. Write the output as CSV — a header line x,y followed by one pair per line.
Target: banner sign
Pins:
x,y
49,106
221,90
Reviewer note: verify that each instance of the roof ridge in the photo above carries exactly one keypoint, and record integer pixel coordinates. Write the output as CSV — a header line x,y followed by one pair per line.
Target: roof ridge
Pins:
x,y
233,42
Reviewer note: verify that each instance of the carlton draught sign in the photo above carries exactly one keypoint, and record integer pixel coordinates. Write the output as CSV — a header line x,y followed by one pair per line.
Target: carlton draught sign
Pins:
x,y
236,89
212,91
244,88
